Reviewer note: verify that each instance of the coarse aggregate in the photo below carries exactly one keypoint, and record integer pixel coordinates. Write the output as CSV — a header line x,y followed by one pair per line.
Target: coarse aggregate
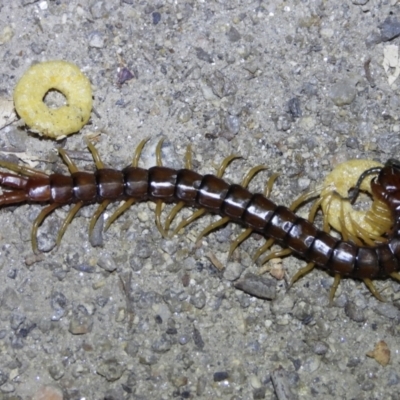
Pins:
x,y
298,86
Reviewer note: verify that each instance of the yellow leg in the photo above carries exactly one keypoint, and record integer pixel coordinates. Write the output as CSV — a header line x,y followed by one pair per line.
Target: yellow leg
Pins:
x,y
188,220
243,236
70,216
38,221
225,164
122,208
188,157
263,248
395,275
301,272
276,254
97,214
26,171
213,226
304,198
95,155
159,205
138,152
270,184
334,287
67,159
158,152
250,174
177,207
314,209
373,289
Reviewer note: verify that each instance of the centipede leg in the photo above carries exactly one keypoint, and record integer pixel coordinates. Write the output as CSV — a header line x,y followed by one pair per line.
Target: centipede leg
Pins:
x,y
212,226
373,289
159,205
100,209
121,209
334,287
26,171
241,238
38,221
95,154
395,275
301,272
67,159
70,216
274,254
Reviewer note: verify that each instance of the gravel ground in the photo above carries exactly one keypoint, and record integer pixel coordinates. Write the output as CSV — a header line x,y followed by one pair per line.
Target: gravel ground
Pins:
x,y
298,86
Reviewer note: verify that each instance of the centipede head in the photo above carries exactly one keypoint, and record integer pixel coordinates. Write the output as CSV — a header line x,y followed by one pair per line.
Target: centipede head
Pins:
x,y
387,185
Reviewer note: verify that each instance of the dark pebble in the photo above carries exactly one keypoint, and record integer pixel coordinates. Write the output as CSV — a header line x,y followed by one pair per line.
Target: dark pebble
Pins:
x,y
198,340
203,55
156,17
234,35
390,29
294,107
354,312
220,376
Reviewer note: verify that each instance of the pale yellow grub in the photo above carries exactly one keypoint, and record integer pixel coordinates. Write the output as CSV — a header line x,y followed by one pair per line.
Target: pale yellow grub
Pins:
x,y
341,214
65,78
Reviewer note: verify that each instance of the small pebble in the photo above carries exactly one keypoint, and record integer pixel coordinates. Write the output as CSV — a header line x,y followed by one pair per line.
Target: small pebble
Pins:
x,y
96,40
343,92
111,369
257,286
156,17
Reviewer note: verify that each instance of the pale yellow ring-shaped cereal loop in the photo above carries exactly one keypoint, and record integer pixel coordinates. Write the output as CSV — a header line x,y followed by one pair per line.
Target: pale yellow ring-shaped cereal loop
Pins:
x,y
64,77
341,180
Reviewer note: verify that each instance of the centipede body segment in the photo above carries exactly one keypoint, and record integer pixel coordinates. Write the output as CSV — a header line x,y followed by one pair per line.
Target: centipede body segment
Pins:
x,y
211,193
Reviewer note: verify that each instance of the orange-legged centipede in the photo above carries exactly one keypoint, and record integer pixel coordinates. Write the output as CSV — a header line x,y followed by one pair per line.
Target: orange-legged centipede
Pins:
x,y
210,193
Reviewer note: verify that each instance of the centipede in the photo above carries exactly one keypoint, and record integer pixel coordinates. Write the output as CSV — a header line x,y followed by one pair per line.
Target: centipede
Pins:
x,y
344,257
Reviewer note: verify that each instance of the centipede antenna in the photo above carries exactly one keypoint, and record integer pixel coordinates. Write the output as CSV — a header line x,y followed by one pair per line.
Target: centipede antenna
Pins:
x,y
38,221
225,162
70,216
270,184
187,221
95,154
26,171
250,174
373,289
301,272
67,159
276,254
188,157
103,205
159,204
121,209
262,249
334,287
158,152
138,152
211,227
241,238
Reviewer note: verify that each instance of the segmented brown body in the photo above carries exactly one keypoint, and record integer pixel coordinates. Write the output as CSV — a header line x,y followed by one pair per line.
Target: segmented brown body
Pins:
x,y
215,195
